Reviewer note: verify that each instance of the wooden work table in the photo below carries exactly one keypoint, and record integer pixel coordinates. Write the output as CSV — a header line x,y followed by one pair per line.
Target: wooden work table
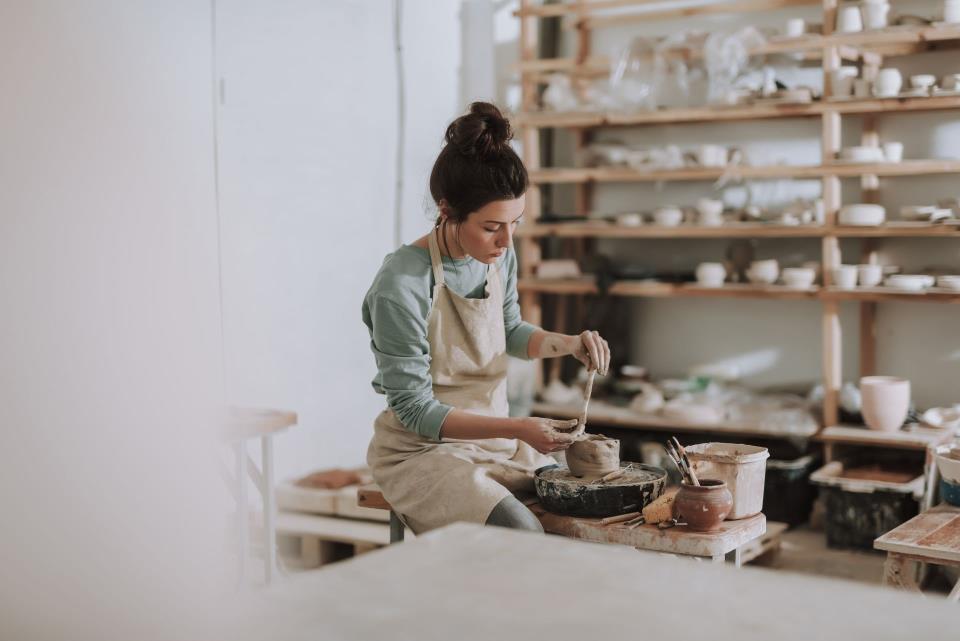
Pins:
x,y
469,582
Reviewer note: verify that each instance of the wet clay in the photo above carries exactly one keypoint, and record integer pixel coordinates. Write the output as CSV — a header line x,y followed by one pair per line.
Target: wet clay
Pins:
x,y
593,455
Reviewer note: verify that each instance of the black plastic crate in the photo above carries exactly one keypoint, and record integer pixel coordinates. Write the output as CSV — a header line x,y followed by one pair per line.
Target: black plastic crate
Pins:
x,y
860,510
788,495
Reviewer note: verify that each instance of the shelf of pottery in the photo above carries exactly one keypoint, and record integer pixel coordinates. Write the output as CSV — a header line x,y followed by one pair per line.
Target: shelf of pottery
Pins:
x,y
852,75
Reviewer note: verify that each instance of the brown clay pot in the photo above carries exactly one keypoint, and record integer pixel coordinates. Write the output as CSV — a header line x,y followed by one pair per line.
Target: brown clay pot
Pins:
x,y
594,455
705,507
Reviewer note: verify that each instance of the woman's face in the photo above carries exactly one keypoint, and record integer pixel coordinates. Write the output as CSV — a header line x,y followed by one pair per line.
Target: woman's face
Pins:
x,y
488,232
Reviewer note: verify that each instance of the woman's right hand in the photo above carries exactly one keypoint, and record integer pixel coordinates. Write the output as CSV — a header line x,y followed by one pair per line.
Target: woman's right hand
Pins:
x,y
546,434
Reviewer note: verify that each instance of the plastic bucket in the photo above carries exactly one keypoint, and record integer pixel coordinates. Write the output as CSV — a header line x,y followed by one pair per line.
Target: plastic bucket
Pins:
x,y
742,467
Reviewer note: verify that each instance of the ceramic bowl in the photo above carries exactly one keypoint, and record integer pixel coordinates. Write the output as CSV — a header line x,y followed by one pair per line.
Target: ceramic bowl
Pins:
x,y
948,465
917,212
948,282
944,418
869,275
799,277
764,272
922,80
908,282
711,274
862,154
862,214
668,216
632,219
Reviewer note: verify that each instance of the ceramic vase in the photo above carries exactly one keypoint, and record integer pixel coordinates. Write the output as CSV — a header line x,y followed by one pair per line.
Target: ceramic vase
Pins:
x,y
703,508
885,402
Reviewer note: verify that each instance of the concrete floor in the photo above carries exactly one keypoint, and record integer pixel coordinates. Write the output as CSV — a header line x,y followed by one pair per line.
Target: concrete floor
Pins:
x,y
805,550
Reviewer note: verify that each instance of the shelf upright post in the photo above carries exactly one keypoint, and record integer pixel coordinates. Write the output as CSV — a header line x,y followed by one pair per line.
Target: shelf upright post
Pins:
x,y
830,248
583,192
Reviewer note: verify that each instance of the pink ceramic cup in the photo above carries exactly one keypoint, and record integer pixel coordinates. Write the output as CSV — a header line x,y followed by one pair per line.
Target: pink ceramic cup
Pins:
x,y
885,401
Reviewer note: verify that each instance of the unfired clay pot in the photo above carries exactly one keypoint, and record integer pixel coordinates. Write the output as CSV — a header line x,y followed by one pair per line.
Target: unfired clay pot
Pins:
x,y
594,455
885,401
703,507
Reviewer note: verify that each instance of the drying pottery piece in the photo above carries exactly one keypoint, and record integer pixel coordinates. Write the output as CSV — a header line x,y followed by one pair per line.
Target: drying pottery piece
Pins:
x,y
845,276
862,214
923,81
909,282
703,507
885,401
887,83
710,211
764,272
947,418
799,277
668,216
869,275
711,274
593,456
648,401
562,493
949,282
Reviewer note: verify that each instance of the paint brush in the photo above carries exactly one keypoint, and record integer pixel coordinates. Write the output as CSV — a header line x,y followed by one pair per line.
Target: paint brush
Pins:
x,y
686,460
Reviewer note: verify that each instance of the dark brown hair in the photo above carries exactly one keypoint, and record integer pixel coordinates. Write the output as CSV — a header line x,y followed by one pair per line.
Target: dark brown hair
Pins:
x,y
477,165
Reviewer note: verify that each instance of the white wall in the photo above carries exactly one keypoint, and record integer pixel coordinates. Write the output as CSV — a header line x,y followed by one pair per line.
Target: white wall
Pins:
x,y
308,135
109,336
914,340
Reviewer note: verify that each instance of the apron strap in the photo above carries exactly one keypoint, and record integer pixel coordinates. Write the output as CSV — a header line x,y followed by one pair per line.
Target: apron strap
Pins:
x,y
435,261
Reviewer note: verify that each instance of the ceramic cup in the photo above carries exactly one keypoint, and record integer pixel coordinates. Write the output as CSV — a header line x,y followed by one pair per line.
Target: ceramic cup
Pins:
x,y
668,216
710,212
841,81
849,19
869,275
888,83
862,88
845,276
951,11
711,274
893,151
764,271
885,401
795,27
875,13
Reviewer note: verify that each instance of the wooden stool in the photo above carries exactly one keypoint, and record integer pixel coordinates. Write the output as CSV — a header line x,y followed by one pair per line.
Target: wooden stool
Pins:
x,y
930,537
728,541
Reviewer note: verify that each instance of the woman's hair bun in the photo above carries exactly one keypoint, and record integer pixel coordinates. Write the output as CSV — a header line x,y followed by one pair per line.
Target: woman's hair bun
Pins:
x,y
483,132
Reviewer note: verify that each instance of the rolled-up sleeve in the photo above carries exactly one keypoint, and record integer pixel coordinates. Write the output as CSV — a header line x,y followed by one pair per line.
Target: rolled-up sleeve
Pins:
x,y
400,346
517,330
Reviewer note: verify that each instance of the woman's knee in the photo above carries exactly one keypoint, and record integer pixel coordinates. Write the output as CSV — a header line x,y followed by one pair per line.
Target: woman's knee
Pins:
x,y
513,514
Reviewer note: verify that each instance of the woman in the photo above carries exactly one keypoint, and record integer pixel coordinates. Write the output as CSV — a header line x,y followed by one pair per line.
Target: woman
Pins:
x,y
443,316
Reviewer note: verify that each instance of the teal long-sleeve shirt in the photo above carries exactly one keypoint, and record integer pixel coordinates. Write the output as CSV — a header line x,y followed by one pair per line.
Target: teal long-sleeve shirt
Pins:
x,y
395,310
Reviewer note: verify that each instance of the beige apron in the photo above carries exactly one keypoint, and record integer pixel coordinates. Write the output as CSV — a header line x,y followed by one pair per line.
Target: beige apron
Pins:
x,y
430,483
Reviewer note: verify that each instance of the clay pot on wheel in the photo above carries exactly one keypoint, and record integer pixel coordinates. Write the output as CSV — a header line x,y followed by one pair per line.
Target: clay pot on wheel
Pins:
x,y
594,455
703,507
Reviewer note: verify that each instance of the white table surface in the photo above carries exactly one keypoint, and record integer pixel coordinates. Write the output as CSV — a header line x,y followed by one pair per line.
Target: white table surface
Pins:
x,y
469,582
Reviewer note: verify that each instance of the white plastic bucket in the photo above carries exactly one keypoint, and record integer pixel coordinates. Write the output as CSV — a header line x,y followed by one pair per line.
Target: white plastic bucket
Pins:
x,y
742,467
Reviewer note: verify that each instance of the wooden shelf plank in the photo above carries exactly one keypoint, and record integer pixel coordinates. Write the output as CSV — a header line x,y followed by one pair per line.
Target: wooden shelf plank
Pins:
x,y
896,230
758,111
604,413
692,290
843,170
918,439
602,229
889,294
557,286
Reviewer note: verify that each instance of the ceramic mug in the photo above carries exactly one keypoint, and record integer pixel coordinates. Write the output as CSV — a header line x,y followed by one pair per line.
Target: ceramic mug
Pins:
x,y
711,274
845,276
875,13
869,275
888,83
795,27
893,151
841,81
849,19
951,11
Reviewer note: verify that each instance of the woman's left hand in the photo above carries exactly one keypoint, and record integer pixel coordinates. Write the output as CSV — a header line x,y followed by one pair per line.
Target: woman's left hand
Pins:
x,y
593,351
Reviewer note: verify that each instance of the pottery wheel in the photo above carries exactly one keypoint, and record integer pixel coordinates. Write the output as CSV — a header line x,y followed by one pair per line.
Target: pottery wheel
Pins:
x,y
562,493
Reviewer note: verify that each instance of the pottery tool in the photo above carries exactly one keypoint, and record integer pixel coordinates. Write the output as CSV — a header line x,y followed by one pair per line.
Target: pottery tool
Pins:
x,y
612,476
620,518
685,470
685,459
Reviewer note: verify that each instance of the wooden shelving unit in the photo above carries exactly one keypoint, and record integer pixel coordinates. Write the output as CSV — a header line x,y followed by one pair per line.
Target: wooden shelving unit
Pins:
x,y
866,48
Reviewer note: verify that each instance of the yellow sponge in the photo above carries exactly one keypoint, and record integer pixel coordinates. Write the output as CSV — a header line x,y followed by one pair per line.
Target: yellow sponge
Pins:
x,y
661,509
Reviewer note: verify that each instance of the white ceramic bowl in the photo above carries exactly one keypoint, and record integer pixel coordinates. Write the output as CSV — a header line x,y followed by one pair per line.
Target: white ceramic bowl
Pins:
x,y
862,154
922,80
944,418
948,282
799,277
711,274
908,282
668,216
631,219
949,467
862,214
764,272
917,212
